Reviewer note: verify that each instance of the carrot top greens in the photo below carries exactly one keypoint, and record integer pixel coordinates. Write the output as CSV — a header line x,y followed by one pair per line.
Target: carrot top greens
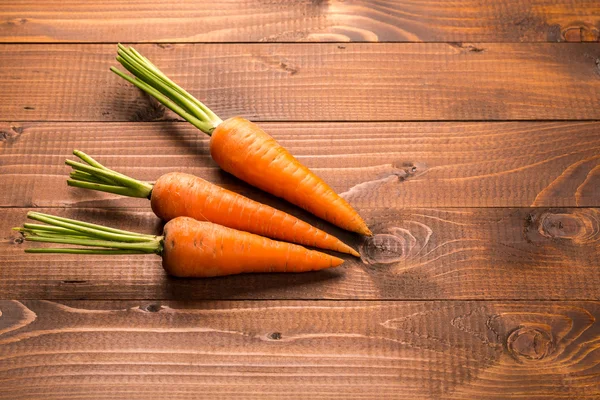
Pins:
x,y
152,81
102,239
95,176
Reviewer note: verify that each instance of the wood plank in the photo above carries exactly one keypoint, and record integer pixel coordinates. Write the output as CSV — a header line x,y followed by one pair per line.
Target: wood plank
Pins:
x,y
299,350
467,164
416,253
300,20
310,82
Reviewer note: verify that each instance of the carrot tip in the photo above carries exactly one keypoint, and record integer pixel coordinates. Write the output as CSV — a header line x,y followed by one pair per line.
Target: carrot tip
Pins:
x,y
365,231
344,248
354,253
336,261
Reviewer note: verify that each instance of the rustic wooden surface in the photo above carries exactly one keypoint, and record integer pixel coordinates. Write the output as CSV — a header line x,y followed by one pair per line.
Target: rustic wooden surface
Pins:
x,y
299,350
473,152
312,82
383,164
457,253
301,21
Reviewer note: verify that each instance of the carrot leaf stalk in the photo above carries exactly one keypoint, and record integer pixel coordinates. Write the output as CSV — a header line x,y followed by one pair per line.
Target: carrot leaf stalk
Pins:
x,y
152,81
101,239
93,175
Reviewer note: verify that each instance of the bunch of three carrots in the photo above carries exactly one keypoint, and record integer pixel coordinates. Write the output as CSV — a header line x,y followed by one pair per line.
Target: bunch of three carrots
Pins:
x,y
210,231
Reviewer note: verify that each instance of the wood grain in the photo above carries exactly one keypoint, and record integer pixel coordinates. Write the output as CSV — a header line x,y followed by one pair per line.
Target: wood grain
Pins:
x,y
300,20
416,253
490,231
374,165
299,350
310,82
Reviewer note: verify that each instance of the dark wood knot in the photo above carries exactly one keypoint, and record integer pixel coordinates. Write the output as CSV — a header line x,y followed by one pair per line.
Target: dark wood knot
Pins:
x,y
152,308
11,135
560,225
578,226
17,21
530,344
274,336
383,248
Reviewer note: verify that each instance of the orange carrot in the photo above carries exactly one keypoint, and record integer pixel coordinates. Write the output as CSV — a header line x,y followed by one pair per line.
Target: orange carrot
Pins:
x,y
189,248
182,195
241,148
189,244
237,143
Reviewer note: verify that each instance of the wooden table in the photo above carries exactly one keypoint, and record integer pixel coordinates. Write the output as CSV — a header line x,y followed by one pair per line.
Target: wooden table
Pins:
x,y
466,133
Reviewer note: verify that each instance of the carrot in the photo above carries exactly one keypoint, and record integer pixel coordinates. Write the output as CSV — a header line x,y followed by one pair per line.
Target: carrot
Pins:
x,y
189,248
182,195
243,149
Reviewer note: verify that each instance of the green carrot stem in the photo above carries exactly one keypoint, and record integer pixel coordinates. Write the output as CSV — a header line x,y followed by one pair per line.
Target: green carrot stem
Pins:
x,y
157,84
82,251
96,233
202,125
93,163
84,175
88,159
93,230
46,233
142,188
27,233
151,78
118,183
79,176
149,65
123,191
49,228
94,171
86,234
143,247
90,225
143,69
